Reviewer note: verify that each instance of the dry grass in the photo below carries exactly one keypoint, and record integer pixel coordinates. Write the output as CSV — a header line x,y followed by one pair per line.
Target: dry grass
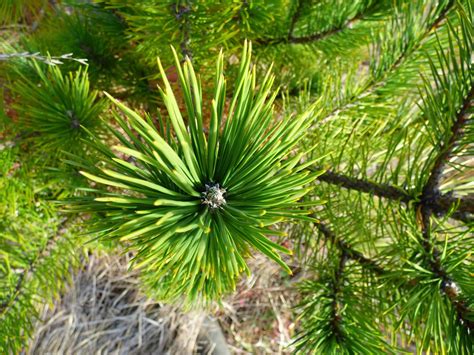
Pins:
x,y
103,312
259,317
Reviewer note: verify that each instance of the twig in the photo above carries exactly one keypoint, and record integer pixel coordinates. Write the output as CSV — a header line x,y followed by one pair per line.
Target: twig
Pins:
x,y
30,268
448,286
429,197
51,60
336,318
182,15
310,38
441,203
351,183
295,18
350,252
374,83
431,188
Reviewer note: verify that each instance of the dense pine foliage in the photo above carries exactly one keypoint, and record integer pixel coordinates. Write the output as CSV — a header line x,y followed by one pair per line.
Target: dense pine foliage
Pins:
x,y
354,158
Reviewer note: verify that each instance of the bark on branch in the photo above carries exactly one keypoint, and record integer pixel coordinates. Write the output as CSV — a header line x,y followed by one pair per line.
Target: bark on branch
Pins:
x,y
439,203
6,304
430,197
349,251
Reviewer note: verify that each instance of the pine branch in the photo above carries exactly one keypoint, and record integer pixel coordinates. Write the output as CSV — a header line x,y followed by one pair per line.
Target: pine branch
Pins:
x,y
375,82
31,267
50,60
350,252
336,318
429,195
431,188
243,6
203,179
444,202
351,183
448,286
295,18
436,23
291,39
182,12
438,203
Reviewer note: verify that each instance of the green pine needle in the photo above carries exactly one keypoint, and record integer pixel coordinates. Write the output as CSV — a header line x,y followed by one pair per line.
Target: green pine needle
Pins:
x,y
193,204
57,106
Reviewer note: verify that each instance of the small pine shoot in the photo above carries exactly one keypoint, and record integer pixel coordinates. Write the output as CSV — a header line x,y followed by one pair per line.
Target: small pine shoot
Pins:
x,y
361,164
194,205
57,107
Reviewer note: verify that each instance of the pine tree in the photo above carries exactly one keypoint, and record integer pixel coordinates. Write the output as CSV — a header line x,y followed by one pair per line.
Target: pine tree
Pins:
x,y
361,159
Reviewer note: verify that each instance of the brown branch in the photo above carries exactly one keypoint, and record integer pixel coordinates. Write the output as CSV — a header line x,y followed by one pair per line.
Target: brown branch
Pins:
x,y
336,318
351,183
290,39
30,269
429,198
431,187
440,204
350,252
181,13
295,18
373,83
448,286
445,202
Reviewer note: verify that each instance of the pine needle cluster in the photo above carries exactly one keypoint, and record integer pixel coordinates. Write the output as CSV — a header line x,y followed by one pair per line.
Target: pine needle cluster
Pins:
x,y
57,107
195,206
361,164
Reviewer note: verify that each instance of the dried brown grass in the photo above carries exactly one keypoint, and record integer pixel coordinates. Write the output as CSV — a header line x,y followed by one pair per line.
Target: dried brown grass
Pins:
x,y
103,312
259,318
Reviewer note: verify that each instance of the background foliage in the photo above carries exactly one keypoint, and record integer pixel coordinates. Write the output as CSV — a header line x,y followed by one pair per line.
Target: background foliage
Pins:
x,y
389,254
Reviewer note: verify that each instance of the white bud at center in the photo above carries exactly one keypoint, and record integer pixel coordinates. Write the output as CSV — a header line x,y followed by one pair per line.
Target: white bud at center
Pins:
x,y
213,196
